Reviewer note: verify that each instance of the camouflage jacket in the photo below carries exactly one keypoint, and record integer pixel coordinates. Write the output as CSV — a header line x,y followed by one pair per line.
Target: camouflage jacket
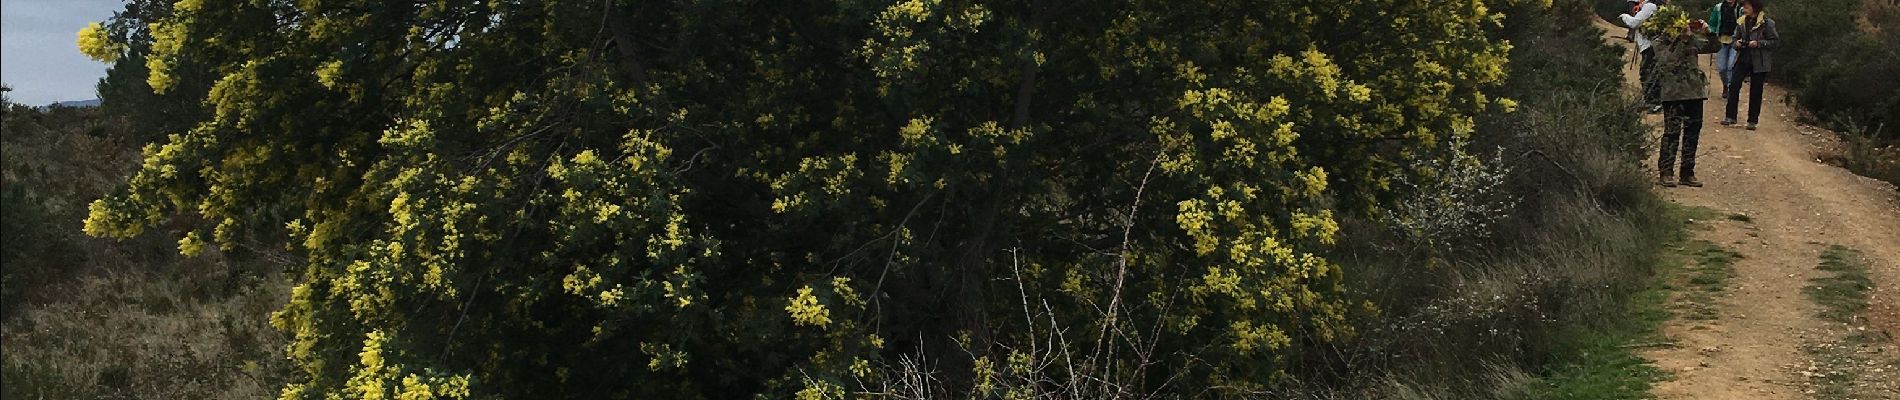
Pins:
x,y
1676,67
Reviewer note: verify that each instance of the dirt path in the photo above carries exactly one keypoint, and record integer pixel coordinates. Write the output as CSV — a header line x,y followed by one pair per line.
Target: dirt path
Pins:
x,y
1795,207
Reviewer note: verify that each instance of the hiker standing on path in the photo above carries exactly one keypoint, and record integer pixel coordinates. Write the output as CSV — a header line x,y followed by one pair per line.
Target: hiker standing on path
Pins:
x,y
1723,18
1683,89
1753,37
1647,71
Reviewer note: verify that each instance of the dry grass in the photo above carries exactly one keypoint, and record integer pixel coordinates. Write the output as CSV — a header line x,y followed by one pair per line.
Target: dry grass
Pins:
x,y
183,333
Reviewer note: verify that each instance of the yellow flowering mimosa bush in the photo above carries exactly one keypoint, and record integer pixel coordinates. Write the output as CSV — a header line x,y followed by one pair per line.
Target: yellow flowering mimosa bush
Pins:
x,y
1669,20
691,199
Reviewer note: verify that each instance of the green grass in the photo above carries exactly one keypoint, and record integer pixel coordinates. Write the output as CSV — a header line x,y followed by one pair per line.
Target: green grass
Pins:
x,y
1704,270
1698,269
1843,294
1713,265
1689,215
1601,362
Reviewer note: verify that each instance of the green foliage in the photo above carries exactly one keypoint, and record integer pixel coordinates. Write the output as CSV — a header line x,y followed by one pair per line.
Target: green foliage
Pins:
x,y
1609,9
1809,29
25,244
1838,61
1844,80
1561,274
124,42
715,199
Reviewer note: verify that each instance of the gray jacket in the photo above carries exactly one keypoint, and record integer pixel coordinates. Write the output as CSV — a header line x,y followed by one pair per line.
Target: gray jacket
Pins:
x,y
1759,58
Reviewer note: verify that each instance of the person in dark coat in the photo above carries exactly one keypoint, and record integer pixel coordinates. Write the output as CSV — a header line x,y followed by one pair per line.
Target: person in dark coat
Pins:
x,y
1683,89
1754,36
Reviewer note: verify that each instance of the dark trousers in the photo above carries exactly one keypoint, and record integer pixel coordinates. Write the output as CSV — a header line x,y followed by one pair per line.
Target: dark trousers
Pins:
x,y
1744,69
1682,129
1647,74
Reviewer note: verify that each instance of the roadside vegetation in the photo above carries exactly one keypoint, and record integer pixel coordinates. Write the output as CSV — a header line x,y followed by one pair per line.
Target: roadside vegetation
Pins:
x,y
1603,361
1543,303
1521,267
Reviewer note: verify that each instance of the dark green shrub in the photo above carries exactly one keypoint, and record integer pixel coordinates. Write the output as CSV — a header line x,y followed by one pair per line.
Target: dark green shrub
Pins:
x,y
1853,78
31,250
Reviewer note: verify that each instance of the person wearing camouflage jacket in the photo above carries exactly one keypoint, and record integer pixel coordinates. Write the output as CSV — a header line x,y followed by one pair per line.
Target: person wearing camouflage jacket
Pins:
x,y
1683,89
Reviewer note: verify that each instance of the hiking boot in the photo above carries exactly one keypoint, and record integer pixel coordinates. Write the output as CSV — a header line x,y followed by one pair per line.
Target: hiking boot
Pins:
x,y
1751,126
1690,182
1728,122
1667,181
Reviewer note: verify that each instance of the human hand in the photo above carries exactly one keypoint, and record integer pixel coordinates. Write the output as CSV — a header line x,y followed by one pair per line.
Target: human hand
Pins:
x,y
1754,43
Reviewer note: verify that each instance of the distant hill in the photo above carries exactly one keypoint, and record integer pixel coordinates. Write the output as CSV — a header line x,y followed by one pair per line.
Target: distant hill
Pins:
x,y
76,103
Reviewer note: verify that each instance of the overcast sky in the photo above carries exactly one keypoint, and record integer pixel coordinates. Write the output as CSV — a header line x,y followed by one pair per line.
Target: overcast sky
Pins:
x,y
38,57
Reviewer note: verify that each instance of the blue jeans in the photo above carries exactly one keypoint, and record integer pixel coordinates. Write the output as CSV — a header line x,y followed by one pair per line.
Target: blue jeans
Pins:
x,y
1725,63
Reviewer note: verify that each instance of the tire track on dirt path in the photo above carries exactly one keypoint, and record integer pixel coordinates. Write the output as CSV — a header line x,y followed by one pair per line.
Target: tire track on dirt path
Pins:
x,y
1795,207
